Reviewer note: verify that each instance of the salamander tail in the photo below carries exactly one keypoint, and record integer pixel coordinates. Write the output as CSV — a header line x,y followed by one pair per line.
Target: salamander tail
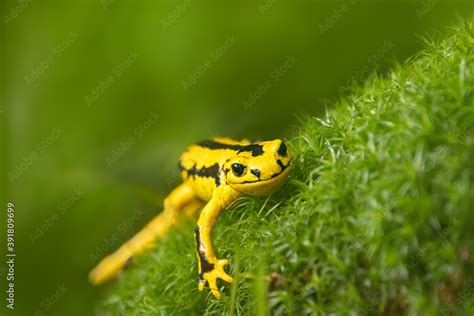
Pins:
x,y
157,228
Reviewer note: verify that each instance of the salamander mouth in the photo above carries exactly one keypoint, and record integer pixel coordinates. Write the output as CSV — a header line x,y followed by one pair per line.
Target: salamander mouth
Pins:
x,y
283,169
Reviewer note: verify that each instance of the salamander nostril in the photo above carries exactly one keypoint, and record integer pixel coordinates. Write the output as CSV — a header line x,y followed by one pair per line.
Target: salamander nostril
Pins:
x,y
255,172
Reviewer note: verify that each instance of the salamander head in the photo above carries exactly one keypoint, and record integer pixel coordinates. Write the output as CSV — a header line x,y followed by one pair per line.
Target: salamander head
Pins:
x,y
260,172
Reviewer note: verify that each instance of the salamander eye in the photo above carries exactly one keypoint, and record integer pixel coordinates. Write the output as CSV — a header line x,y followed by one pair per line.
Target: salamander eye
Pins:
x,y
238,169
282,151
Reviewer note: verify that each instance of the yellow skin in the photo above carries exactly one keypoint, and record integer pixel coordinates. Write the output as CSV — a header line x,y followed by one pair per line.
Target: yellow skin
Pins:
x,y
216,171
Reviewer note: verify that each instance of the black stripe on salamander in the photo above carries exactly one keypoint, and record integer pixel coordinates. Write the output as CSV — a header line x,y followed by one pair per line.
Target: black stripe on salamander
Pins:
x,y
204,172
206,266
255,149
282,166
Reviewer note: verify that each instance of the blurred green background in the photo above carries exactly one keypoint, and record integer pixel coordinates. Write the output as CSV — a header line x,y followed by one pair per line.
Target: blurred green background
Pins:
x,y
100,97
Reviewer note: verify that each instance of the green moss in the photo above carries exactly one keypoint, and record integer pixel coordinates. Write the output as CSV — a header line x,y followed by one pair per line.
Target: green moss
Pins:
x,y
377,218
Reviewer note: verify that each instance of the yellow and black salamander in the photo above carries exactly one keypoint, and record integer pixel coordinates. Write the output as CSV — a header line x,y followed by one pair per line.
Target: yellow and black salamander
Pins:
x,y
215,172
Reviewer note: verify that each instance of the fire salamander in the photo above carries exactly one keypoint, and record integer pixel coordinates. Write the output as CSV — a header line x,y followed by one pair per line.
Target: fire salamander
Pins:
x,y
215,172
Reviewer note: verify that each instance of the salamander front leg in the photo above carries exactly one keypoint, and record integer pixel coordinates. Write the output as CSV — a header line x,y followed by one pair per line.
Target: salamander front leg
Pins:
x,y
210,268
